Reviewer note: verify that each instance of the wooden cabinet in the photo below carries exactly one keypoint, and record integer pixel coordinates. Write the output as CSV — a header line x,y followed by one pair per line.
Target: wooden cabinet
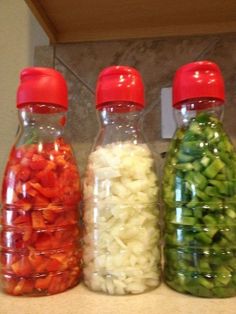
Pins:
x,y
67,21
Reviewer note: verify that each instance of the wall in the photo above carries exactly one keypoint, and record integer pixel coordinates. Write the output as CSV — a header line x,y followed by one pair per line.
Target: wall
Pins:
x,y
156,59
19,34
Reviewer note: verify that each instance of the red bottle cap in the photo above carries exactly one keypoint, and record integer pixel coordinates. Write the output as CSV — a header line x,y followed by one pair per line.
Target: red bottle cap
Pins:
x,y
119,84
201,79
42,86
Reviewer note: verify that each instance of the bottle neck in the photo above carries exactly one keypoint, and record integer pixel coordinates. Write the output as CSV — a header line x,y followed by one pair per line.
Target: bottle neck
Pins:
x,y
187,110
119,126
41,124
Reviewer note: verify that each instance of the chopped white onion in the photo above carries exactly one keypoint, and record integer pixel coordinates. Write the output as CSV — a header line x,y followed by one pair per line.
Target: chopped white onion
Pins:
x,y
121,242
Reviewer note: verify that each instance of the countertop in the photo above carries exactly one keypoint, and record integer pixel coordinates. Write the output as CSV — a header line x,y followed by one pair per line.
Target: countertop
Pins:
x,y
80,300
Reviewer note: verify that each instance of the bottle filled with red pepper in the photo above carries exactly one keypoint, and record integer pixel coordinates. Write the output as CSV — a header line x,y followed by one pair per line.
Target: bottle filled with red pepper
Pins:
x,y
40,250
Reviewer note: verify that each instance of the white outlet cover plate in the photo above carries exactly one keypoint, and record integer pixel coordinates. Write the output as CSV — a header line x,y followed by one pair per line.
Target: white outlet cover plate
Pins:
x,y
168,124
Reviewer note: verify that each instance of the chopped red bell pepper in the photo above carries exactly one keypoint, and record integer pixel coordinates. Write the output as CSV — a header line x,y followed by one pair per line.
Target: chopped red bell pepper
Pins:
x,y
37,220
37,162
40,196
47,178
43,283
24,174
22,267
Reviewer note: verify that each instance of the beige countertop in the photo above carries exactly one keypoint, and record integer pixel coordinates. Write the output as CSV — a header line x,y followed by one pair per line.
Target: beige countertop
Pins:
x,y
79,300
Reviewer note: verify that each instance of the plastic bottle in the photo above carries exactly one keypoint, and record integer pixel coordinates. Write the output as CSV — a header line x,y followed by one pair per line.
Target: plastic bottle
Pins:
x,y
40,193
199,188
121,216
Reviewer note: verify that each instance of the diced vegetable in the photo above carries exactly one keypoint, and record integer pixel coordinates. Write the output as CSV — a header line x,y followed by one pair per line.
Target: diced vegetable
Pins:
x,y
213,169
39,236
121,253
200,175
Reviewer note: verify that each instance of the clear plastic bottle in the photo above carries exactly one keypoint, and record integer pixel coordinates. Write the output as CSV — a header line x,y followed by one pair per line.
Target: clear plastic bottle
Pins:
x,y
199,188
121,218
40,193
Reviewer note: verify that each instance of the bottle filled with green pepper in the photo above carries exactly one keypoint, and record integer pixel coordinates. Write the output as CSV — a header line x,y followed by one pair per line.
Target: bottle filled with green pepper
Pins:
x,y
199,188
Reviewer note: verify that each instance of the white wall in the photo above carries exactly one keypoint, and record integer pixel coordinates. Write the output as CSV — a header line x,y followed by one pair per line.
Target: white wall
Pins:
x,y
19,34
